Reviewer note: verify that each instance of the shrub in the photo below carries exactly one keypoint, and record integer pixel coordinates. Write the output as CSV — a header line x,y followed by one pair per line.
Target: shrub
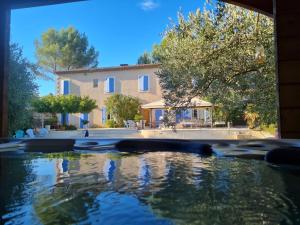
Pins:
x,y
251,117
122,107
51,121
95,126
272,128
111,124
138,117
69,127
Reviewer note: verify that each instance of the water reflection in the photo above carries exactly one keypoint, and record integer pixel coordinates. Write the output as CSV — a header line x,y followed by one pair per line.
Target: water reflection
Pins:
x,y
156,188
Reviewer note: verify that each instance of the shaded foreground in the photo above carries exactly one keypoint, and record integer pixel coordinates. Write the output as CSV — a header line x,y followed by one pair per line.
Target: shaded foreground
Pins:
x,y
149,188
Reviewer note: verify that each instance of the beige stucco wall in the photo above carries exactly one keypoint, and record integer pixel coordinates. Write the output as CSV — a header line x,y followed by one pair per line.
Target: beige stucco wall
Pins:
x,y
126,82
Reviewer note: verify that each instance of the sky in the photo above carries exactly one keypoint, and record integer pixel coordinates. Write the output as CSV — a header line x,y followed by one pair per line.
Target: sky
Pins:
x,y
121,30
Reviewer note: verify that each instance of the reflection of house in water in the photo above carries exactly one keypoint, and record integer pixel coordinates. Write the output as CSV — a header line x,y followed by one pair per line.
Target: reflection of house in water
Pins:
x,y
135,172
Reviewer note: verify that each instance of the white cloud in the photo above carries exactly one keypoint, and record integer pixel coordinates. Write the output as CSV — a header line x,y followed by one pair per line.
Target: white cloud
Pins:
x,y
148,5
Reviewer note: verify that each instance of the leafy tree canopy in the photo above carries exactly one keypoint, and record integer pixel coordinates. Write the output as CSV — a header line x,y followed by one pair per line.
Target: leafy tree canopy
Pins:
x,y
64,104
22,89
225,55
122,107
65,49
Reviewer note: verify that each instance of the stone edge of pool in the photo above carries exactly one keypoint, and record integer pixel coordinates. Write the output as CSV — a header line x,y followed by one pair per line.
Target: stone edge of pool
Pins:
x,y
278,152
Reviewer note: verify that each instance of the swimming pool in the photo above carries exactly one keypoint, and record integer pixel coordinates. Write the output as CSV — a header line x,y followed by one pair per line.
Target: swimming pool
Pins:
x,y
111,187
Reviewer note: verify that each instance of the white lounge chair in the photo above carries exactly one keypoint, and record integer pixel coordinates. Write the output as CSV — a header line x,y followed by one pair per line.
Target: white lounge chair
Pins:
x,y
43,132
131,124
30,133
125,124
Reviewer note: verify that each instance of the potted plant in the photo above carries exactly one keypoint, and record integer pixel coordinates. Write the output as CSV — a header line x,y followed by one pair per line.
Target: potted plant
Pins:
x,y
85,123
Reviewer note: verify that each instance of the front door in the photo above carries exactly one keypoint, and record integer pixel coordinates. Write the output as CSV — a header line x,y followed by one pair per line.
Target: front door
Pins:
x,y
158,115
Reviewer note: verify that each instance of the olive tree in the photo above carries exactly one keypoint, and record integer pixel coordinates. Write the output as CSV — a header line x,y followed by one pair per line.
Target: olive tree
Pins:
x,y
225,55
22,89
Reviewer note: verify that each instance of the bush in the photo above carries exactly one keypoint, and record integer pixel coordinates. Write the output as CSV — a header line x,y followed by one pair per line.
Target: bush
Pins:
x,y
122,107
51,121
251,117
68,127
138,117
272,128
110,124
95,126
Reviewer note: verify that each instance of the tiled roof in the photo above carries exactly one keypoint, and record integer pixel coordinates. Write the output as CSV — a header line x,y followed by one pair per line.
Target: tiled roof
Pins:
x,y
104,69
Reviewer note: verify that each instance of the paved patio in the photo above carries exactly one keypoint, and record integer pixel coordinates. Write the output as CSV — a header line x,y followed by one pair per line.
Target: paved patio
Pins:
x,y
200,133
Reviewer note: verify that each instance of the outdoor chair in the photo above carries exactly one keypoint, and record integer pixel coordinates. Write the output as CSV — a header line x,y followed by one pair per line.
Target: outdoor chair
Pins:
x,y
30,133
131,124
125,124
43,132
19,134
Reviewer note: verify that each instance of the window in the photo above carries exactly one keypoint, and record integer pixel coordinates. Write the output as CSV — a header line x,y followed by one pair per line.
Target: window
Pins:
x,y
143,83
110,85
65,87
95,83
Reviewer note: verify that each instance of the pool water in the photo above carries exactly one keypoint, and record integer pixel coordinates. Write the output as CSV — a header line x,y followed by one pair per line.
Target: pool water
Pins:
x,y
150,188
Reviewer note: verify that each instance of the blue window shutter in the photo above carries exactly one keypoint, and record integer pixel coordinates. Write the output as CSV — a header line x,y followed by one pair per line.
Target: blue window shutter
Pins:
x,y
111,85
67,118
146,83
66,86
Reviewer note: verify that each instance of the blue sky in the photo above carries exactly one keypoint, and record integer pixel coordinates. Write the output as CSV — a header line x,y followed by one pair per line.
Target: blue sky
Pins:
x,y
120,30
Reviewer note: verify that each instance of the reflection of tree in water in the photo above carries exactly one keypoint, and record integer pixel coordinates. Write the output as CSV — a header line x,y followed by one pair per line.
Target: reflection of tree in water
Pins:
x,y
15,174
64,207
71,199
231,192
182,187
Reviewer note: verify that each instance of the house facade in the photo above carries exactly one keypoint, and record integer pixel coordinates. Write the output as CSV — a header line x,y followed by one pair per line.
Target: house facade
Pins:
x,y
100,83
138,81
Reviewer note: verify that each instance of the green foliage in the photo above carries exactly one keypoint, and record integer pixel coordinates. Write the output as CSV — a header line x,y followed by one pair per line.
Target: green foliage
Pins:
x,y
47,104
225,55
138,117
110,124
63,104
51,121
22,89
68,127
251,116
146,58
85,122
65,49
122,107
272,128
87,105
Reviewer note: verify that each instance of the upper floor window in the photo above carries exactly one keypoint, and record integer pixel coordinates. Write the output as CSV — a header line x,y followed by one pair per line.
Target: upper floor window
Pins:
x,y
144,83
109,86
95,83
65,87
